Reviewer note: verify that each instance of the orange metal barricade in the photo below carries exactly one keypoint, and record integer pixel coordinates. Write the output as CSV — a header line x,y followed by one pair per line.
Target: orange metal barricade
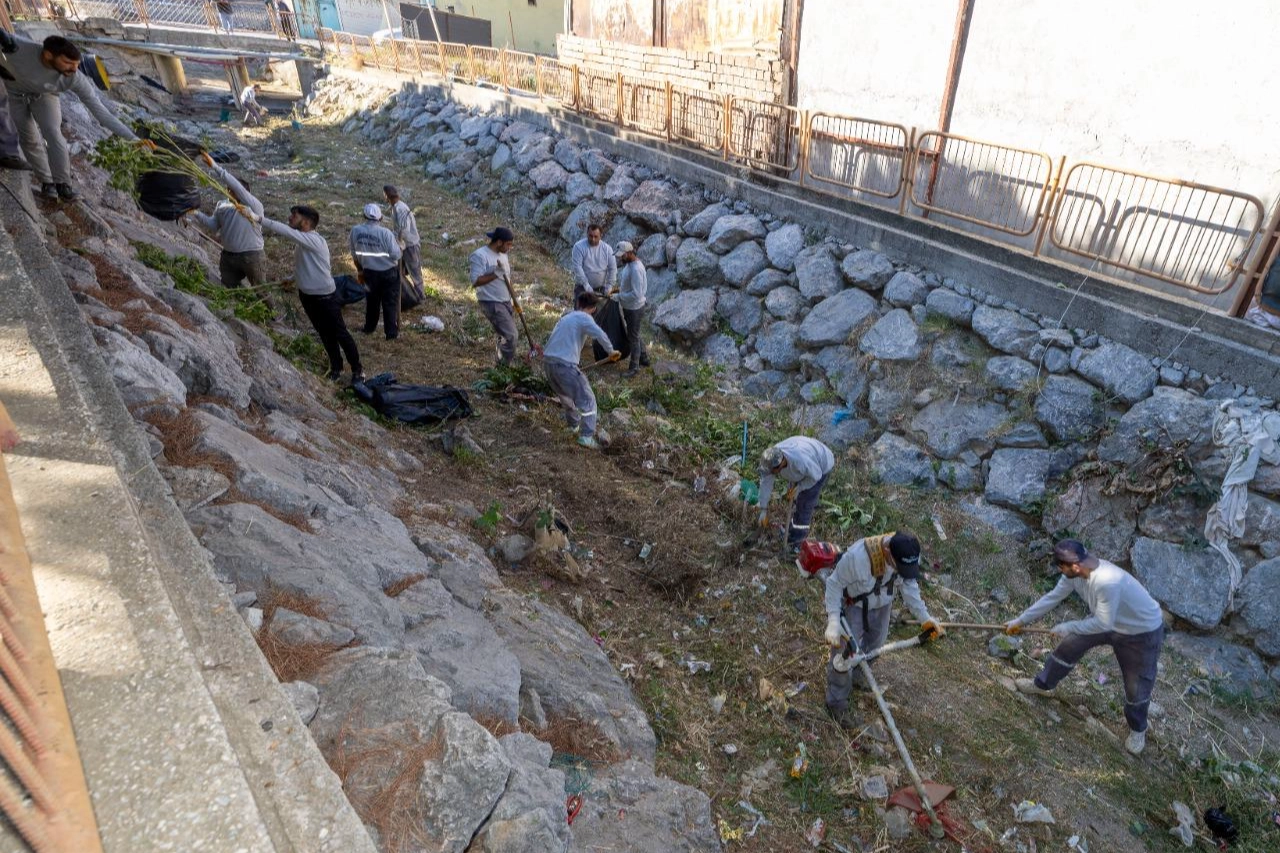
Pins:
x,y
520,71
455,60
697,118
645,106
765,135
598,94
556,81
863,155
486,65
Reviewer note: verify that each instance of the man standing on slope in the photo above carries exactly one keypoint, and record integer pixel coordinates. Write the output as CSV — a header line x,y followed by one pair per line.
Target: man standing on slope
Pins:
x,y
313,276
376,254
490,271
406,230
242,247
1123,615
859,591
560,365
633,285
805,463
595,269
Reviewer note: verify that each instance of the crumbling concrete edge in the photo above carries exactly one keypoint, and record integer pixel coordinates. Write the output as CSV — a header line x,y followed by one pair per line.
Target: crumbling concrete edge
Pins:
x,y
299,798
1160,326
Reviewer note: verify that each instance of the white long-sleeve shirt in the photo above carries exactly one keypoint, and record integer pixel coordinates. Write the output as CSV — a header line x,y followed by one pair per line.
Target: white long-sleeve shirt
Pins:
x,y
594,267
570,334
808,461
633,285
406,227
238,232
484,261
374,247
312,270
852,577
1116,601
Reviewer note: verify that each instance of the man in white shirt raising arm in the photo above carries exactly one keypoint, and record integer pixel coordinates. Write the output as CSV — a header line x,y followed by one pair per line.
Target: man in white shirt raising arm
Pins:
x,y
1123,615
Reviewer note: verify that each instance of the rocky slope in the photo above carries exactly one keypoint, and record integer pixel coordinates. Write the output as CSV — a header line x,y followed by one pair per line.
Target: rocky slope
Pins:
x,y
397,643
1035,428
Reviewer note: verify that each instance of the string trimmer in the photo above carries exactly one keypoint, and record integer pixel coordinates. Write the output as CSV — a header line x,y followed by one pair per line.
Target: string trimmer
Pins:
x,y
981,626
535,351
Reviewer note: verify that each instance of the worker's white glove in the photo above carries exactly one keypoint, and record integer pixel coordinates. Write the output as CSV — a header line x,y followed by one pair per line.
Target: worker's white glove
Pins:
x,y
834,636
248,213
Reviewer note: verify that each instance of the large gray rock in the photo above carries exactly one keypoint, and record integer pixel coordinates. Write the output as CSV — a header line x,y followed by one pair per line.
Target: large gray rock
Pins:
x,y
139,377
696,265
550,213
568,155
689,316
1233,670
700,224
1120,371
817,275
952,427
885,400
532,150
301,630
741,265
844,373
894,337
767,281
653,251
624,229
1175,519
833,319
548,176
1259,605
1106,523
529,817
777,345
206,362
947,303
587,213
721,350
768,385
1069,408
457,561
898,462
598,167
1191,583
742,312
1018,477
652,205
578,188
1169,417
783,245
733,229
304,697
867,269
1009,373
845,434
659,814
620,187
572,675
1261,521
662,285
905,289
786,303
1003,522
473,128
1006,331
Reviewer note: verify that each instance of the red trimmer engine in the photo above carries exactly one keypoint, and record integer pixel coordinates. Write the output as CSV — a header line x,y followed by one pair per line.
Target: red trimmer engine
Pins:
x,y
815,557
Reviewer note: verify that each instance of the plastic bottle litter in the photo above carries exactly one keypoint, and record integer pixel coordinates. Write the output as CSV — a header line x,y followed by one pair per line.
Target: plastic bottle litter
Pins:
x,y
800,763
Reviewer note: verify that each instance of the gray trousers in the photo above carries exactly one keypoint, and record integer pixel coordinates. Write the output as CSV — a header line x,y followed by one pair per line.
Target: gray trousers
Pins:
x,y
574,391
635,319
411,264
1137,655
867,639
806,503
9,143
38,120
503,320
235,267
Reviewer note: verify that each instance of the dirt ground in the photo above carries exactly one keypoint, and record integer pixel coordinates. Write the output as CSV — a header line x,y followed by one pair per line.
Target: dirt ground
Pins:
x,y
702,596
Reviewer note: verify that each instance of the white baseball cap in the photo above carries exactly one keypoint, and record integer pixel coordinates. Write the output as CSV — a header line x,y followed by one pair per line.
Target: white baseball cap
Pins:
x,y
623,248
372,211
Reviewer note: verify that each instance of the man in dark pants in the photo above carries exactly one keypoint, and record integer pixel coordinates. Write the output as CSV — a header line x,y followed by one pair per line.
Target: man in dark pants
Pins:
x,y
805,463
1123,615
490,273
313,276
632,289
377,258
242,255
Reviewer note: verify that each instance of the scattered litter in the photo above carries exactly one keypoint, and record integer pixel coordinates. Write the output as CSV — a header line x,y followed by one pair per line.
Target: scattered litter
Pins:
x,y
761,820
758,778
1102,678
765,689
730,749
655,660
628,670
1008,834
717,702
758,585
756,648
875,788
1029,811
700,621
937,525
699,484
645,550
431,323
696,666
647,465
729,833
1185,831
577,607
817,833
599,641
796,689
800,763
1075,842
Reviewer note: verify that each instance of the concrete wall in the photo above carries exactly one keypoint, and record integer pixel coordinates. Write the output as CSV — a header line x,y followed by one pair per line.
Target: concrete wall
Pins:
x,y
366,17
536,26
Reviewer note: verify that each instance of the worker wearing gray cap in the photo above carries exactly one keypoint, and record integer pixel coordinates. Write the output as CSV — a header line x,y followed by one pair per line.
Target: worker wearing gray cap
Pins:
x,y
377,258
633,285
805,464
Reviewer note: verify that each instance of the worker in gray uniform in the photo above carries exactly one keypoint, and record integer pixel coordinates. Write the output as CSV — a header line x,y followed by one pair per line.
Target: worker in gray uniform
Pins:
x,y
560,365
595,269
34,76
406,230
489,269
633,285
805,463
242,245
377,258
10,146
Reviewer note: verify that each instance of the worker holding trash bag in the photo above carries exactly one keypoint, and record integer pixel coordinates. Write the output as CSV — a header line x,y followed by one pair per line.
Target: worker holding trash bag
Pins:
x,y
1122,615
805,463
859,598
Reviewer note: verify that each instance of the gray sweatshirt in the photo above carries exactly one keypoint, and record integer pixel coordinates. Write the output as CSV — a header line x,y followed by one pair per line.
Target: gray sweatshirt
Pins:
x,y
633,284
594,267
852,577
569,335
1116,600
238,232
32,78
373,247
808,461
406,227
312,272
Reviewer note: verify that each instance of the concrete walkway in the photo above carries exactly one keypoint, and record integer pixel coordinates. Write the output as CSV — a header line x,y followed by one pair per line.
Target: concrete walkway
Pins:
x,y
186,739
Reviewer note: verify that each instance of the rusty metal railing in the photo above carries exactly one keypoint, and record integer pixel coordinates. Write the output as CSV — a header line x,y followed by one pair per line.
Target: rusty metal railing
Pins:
x,y
42,787
487,66
863,155
520,71
598,94
766,136
646,106
557,81
698,118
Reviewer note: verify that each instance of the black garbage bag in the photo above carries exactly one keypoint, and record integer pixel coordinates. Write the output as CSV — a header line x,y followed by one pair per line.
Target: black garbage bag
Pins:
x,y
411,294
167,195
414,404
1221,824
348,289
609,317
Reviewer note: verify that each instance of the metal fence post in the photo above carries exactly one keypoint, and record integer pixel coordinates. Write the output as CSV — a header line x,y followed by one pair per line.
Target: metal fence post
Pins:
x,y
806,120
537,77
670,123
577,89
908,178
1049,213
502,60
728,123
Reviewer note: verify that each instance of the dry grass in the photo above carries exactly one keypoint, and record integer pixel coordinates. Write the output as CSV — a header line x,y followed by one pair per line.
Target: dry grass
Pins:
x,y
291,661
496,725
394,588
565,735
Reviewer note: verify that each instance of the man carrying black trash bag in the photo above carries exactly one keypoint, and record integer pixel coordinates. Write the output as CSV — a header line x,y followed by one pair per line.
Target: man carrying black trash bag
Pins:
x,y
34,76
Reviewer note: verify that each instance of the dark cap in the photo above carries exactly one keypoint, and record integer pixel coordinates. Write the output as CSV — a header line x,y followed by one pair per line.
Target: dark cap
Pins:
x,y
389,190
1070,551
500,234
905,549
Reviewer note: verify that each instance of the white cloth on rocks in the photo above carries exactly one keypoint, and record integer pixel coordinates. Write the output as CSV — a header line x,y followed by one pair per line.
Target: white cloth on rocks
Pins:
x,y
1252,437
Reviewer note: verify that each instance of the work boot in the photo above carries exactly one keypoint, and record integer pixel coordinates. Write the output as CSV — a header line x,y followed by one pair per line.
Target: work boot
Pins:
x,y
357,377
1136,742
1029,687
846,719
66,192
588,442
334,376
49,191
15,163
631,373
